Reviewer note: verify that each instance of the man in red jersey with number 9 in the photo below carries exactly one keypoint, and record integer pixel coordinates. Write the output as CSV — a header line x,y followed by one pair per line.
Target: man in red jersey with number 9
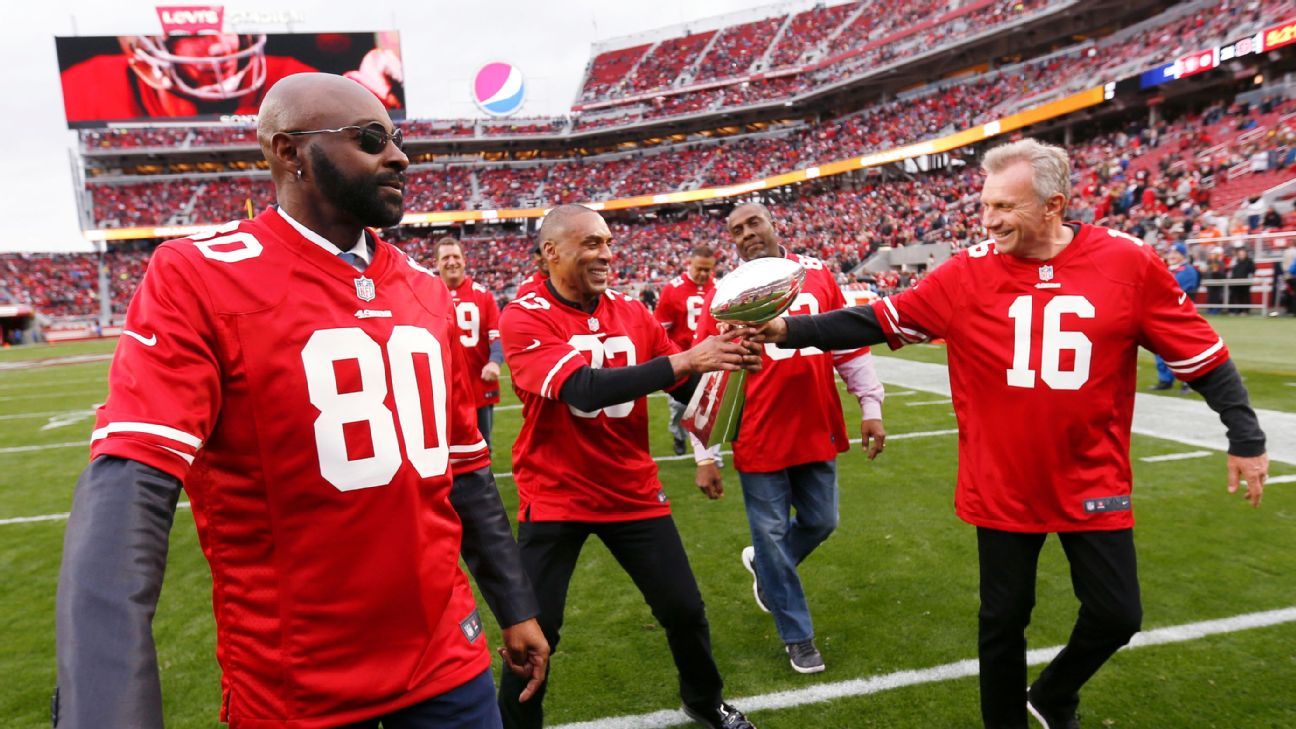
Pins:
x,y
1043,324
296,375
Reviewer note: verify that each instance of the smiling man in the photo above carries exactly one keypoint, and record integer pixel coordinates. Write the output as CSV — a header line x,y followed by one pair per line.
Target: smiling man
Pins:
x,y
583,359
477,315
301,383
1043,324
790,434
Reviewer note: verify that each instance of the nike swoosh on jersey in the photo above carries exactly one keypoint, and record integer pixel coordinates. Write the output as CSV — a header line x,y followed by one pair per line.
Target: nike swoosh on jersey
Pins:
x,y
1182,297
147,342
534,343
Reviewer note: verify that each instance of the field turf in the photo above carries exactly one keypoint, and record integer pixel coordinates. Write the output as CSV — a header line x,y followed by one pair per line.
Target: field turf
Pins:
x,y
894,589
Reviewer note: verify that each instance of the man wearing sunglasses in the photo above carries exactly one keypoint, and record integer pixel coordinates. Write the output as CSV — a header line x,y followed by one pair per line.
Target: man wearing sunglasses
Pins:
x,y
296,375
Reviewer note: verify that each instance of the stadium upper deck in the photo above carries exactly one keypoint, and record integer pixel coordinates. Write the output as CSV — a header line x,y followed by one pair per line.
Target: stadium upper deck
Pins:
x,y
211,173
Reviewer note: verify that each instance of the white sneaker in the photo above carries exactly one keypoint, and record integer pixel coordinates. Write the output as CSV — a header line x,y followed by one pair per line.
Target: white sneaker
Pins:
x,y
749,561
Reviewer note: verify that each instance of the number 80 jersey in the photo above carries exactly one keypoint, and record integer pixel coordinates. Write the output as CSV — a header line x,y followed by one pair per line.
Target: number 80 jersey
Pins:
x,y
315,416
1042,366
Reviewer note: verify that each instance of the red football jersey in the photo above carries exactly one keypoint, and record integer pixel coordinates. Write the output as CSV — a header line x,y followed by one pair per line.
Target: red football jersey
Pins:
x,y
307,410
533,282
1042,359
478,317
571,465
680,306
792,414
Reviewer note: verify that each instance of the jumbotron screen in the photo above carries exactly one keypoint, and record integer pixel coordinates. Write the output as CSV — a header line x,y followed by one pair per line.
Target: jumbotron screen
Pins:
x,y
212,77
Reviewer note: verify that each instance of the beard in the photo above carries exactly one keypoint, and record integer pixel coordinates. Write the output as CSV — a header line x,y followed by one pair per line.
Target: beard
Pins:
x,y
361,197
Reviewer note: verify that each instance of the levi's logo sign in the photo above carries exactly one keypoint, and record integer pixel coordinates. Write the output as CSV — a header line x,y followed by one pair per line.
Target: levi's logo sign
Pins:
x,y
471,626
1109,503
191,19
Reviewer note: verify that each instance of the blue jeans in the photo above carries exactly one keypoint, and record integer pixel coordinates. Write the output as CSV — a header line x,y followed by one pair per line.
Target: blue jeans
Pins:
x,y
782,541
1164,375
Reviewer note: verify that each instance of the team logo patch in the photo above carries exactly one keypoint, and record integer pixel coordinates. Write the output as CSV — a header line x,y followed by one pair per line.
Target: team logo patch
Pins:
x,y
1046,273
1106,504
471,626
365,289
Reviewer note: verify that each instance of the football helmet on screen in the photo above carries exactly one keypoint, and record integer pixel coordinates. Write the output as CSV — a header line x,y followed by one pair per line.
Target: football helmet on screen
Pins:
x,y
206,66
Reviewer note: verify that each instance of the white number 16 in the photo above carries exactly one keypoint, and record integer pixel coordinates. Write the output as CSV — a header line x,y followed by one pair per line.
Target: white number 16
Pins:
x,y
1055,342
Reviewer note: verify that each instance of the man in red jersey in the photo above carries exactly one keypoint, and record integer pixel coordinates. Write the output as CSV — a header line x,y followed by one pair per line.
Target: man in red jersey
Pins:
x,y
537,278
478,318
788,439
583,359
296,375
678,310
1043,324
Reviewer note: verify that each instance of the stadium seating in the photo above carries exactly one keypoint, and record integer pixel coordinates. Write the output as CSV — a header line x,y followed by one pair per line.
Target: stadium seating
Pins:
x,y
737,48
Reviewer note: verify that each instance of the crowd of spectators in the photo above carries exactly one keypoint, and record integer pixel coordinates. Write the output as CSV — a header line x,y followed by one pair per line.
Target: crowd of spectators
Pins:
x,y
67,284
806,31
1160,181
886,31
737,48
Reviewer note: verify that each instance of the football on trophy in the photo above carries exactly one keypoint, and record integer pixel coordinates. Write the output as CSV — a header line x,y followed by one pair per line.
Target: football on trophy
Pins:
x,y
758,290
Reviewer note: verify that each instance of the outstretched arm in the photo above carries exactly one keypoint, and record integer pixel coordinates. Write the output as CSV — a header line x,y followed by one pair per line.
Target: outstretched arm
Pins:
x,y
114,558
591,388
1247,461
854,326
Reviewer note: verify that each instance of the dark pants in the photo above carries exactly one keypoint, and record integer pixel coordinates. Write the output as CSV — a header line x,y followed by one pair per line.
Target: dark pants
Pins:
x,y
1104,575
470,706
486,421
650,551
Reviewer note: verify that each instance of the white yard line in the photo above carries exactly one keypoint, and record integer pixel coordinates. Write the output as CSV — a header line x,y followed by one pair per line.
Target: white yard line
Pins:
x,y
45,447
47,414
1177,456
946,401
47,395
1281,479
46,385
824,692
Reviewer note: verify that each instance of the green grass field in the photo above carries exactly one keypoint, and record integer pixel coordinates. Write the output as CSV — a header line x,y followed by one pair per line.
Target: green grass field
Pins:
x,y
894,589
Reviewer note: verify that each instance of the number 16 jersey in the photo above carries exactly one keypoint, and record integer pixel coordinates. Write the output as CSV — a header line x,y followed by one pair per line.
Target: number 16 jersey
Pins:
x,y
1042,366
311,413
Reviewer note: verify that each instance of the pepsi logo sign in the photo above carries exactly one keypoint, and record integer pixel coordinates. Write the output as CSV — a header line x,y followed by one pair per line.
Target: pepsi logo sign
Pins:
x,y
498,88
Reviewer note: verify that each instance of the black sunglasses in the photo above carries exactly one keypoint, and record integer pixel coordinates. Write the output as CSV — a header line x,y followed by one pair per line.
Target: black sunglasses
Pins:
x,y
373,139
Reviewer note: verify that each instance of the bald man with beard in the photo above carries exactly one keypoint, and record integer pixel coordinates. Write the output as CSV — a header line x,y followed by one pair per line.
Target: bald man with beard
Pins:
x,y
295,375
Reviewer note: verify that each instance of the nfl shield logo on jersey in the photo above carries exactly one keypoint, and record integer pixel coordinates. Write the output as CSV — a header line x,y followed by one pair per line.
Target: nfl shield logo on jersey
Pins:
x,y
593,324
1046,273
365,289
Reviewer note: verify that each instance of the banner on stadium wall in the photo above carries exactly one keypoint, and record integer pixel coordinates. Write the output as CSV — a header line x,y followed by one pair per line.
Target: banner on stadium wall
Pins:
x,y
1060,107
211,77
1279,35
1197,62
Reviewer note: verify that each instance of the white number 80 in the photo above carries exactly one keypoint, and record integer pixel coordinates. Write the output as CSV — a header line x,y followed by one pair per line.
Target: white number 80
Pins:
x,y
366,405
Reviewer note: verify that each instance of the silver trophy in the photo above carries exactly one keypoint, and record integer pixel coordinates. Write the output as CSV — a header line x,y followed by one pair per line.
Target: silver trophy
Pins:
x,y
755,292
